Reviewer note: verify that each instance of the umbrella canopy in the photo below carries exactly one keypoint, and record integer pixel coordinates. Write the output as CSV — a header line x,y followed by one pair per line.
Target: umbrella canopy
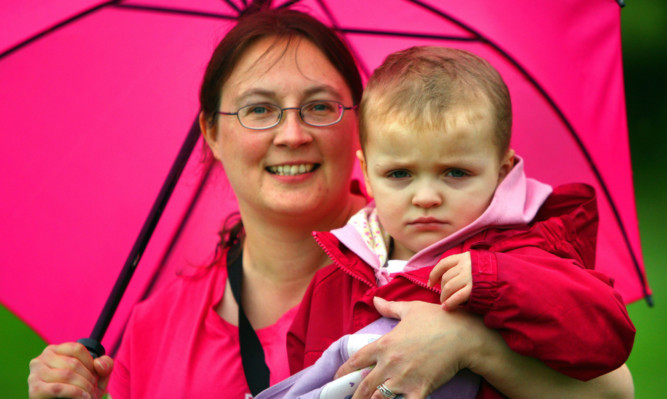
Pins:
x,y
97,98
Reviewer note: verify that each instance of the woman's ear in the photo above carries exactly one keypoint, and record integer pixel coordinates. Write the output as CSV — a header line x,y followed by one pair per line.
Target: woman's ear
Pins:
x,y
506,164
210,135
364,170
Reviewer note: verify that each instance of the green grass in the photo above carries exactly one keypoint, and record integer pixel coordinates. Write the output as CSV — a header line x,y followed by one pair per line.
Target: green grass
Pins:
x,y
18,344
647,361
645,60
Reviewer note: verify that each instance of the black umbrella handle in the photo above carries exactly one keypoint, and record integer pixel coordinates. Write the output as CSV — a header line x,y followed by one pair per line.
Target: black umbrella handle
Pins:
x,y
94,348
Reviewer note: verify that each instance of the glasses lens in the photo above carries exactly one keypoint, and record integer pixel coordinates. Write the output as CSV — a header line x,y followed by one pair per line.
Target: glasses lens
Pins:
x,y
321,113
257,116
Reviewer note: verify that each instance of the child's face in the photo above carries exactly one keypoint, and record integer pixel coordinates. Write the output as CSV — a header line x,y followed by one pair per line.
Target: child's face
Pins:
x,y
428,185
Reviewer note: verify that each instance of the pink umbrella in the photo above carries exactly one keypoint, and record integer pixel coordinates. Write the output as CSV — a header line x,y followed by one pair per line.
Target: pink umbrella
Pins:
x,y
98,98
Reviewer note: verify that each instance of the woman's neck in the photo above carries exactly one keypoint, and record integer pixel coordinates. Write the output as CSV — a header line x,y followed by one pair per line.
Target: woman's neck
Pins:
x,y
276,273
282,248
279,260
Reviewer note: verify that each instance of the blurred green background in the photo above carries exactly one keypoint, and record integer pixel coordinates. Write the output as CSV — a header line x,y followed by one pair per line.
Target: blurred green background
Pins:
x,y
644,27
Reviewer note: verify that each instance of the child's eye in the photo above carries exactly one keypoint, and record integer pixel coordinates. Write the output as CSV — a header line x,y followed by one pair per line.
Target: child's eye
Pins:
x,y
398,174
456,173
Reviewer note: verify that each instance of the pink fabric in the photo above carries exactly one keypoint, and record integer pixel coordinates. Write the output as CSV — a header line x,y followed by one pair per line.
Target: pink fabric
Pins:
x,y
93,114
177,346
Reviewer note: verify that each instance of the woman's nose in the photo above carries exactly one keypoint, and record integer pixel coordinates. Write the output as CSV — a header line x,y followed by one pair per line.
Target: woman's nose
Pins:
x,y
292,131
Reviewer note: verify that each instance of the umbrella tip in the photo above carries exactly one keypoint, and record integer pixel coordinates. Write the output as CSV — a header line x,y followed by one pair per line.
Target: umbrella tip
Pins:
x,y
621,3
649,300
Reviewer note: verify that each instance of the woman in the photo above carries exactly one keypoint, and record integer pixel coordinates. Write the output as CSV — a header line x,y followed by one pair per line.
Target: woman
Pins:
x,y
277,109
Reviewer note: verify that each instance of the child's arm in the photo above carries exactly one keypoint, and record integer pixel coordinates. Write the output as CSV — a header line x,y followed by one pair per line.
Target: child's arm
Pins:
x,y
454,274
537,287
544,306
551,308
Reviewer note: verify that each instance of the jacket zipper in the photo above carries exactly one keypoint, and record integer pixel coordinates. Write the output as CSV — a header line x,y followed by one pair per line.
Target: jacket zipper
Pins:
x,y
339,265
418,282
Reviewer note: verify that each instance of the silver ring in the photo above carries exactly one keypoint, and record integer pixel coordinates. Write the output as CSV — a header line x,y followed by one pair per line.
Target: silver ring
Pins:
x,y
387,393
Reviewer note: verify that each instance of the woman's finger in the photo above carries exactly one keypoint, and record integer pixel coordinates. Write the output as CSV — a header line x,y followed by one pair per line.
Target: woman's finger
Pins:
x,y
383,391
395,354
363,358
73,356
103,367
390,309
44,390
399,385
368,386
44,382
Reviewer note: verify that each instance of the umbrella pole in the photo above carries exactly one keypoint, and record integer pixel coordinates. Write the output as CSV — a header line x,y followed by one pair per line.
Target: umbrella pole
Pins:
x,y
93,342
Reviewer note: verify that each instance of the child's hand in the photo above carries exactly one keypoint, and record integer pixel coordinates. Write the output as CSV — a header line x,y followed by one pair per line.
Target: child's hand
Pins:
x,y
455,276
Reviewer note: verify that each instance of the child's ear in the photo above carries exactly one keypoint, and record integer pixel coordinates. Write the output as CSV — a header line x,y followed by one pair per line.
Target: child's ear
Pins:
x,y
364,170
506,164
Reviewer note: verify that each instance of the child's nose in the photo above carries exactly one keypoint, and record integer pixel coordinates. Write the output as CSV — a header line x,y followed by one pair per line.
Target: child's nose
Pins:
x,y
426,197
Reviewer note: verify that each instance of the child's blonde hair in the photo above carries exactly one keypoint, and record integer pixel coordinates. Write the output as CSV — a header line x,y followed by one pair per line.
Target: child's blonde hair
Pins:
x,y
419,87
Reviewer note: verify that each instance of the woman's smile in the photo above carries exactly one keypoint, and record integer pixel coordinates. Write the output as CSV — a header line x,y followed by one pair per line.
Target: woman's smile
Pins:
x,y
292,170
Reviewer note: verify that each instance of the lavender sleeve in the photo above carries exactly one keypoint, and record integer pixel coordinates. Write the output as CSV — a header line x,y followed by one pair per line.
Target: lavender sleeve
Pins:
x,y
316,381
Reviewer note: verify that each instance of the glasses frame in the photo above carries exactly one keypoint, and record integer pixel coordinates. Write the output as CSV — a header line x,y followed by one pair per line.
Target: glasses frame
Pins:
x,y
341,107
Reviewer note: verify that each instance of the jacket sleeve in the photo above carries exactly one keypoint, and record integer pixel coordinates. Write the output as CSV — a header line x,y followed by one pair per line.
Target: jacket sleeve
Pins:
x,y
538,289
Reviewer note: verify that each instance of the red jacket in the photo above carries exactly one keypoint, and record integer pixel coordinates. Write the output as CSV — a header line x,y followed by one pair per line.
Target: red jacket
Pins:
x,y
534,284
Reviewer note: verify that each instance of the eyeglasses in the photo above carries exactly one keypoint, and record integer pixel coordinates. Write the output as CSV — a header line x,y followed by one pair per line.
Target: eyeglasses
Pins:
x,y
265,115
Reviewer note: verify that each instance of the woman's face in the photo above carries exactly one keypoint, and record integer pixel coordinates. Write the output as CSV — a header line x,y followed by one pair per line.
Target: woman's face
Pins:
x,y
293,169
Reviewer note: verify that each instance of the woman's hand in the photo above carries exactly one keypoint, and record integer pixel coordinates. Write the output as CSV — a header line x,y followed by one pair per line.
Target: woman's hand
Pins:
x,y
429,346
68,371
424,351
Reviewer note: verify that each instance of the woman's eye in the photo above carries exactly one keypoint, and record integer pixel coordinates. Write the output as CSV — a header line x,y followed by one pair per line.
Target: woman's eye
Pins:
x,y
320,106
456,173
258,110
398,174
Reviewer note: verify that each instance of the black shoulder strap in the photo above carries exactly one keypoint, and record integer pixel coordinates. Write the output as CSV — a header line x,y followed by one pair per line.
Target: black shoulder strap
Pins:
x,y
252,354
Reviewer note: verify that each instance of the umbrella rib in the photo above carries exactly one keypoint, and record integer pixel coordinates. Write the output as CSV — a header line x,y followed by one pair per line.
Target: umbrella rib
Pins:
x,y
288,4
201,185
334,23
145,234
57,26
569,127
409,34
172,10
117,4
232,5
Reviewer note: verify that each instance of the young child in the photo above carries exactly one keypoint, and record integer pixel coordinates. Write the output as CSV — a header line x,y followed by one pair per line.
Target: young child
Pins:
x,y
435,129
